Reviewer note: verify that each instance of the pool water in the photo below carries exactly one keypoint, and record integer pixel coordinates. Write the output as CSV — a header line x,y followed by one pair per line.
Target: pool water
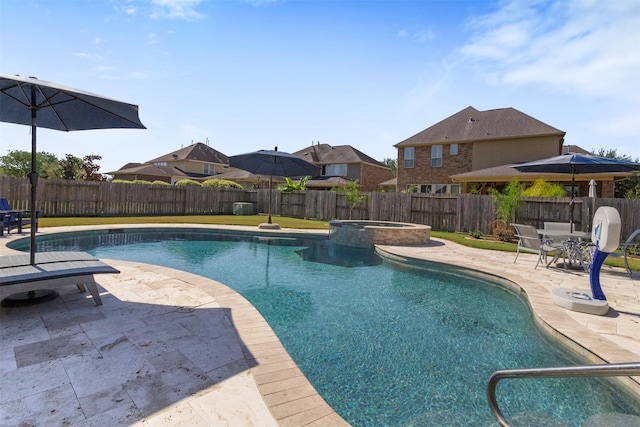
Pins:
x,y
383,344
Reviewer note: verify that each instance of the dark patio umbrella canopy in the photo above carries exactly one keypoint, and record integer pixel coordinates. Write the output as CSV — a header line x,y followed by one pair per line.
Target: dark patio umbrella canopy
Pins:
x,y
575,164
38,103
273,163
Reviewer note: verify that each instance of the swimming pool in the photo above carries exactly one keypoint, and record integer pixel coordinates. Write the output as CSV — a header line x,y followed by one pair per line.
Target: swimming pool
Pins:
x,y
384,345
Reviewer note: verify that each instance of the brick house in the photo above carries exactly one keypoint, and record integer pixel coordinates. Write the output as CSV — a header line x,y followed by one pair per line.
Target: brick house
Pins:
x,y
343,162
196,161
472,140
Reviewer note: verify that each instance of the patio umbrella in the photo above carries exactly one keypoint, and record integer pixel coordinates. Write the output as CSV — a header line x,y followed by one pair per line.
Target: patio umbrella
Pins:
x,y
38,103
274,163
575,163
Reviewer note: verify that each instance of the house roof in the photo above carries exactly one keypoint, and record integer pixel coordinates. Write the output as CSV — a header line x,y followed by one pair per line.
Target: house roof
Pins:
x,y
327,181
471,125
242,175
325,154
198,151
389,183
150,170
506,173
574,149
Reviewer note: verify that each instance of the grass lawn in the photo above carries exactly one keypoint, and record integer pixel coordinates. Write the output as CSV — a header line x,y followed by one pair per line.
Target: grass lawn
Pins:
x,y
255,220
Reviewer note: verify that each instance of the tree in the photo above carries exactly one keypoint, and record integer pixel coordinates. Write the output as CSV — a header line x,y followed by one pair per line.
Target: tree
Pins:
x,y
71,168
628,187
507,205
91,169
351,192
18,163
392,164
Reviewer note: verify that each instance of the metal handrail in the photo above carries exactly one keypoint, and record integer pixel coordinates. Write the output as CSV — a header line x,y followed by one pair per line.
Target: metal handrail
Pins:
x,y
608,370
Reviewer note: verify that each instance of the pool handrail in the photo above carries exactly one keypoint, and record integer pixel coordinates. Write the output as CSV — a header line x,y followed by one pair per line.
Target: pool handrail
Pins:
x,y
604,370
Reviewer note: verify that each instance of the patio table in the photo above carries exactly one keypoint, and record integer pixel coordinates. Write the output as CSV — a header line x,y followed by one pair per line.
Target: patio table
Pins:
x,y
577,245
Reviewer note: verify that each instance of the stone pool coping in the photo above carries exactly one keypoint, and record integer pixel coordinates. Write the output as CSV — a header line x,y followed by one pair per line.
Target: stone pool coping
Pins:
x,y
272,382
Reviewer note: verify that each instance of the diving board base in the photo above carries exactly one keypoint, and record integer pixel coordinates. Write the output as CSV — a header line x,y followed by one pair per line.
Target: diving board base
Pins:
x,y
579,301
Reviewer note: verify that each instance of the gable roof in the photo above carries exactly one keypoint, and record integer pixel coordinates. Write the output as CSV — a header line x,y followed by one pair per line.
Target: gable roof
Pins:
x,y
325,154
198,151
148,169
471,125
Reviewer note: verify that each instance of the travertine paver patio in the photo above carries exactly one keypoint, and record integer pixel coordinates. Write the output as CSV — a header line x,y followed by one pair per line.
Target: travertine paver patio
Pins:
x,y
172,348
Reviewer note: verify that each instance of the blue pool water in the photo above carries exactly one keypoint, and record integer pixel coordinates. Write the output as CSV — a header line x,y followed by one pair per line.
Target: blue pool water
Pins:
x,y
385,345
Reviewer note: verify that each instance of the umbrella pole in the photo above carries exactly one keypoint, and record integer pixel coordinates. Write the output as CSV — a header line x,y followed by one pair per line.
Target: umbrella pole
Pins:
x,y
33,177
571,202
269,208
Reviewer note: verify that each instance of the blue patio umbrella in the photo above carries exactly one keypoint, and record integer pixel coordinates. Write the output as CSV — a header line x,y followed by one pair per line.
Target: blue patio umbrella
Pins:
x,y
575,163
38,103
274,163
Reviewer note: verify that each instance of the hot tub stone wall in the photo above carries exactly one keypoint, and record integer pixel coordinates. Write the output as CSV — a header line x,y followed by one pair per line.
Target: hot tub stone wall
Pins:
x,y
362,234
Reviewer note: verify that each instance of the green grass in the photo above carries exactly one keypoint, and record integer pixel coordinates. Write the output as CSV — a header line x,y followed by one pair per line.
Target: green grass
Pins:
x,y
255,220
249,220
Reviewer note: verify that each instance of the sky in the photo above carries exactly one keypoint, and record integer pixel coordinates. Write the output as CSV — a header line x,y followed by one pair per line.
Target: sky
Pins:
x,y
246,75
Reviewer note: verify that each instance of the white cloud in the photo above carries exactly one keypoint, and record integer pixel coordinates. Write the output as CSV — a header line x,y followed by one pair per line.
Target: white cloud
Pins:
x,y
98,40
132,11
585,47
176,9
403,33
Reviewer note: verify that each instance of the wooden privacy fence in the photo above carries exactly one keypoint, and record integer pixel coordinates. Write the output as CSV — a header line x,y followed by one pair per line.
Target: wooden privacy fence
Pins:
x,y
462,213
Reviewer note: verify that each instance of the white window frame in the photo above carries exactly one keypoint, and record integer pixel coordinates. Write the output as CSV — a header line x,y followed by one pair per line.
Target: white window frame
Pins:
x,y
436,156
209,168
409,156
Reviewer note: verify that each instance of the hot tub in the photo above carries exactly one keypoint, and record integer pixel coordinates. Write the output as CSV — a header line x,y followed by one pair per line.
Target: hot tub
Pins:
x,y
364,234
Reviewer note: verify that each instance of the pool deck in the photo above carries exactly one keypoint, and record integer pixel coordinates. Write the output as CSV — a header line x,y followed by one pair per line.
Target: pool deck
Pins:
x,y
171,348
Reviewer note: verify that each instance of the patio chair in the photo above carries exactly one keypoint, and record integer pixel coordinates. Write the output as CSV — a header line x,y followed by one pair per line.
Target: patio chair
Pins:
x,y
625,248
530,241
16,219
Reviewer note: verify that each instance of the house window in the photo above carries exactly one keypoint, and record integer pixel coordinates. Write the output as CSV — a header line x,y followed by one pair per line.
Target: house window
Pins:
x,y
408,157
160,163
438,188
436,156
336,170
209,169
453,149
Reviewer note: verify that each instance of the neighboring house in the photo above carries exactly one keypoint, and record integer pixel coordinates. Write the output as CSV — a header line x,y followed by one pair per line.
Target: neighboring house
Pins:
x,y
196,161
346,162
472,140
496,177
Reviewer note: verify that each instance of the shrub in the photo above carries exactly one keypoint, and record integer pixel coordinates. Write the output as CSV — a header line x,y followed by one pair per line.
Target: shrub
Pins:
x,y
221,183
188,182
542,188
476,234
141,181
158,182
121,181
504,234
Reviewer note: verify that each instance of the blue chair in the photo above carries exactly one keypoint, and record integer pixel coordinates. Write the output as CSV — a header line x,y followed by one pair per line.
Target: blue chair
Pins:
x,y
12,218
